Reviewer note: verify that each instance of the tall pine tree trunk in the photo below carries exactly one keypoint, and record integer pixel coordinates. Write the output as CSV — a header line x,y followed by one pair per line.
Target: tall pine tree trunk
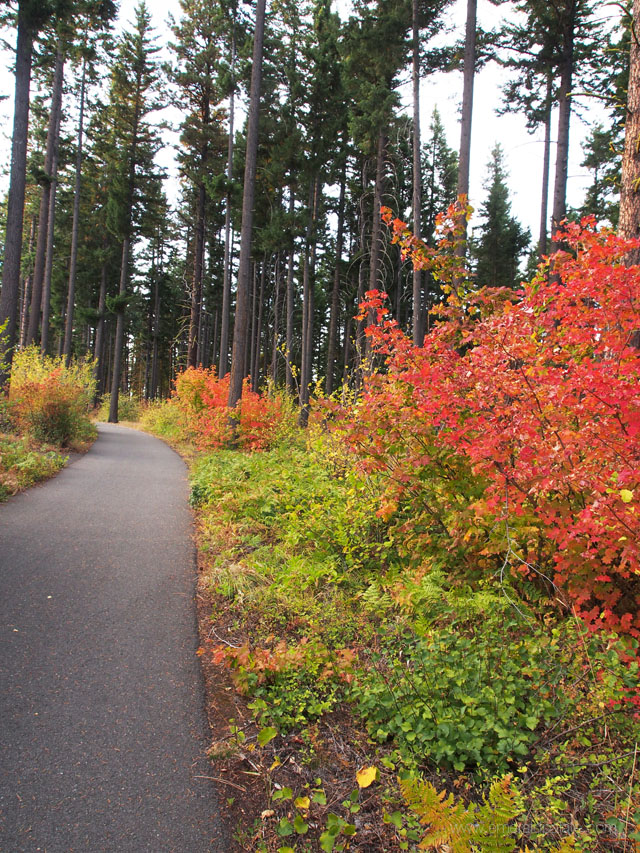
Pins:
x,y
629,221
376,228
417,176
335,293
308,301
119,339
75,227
290,306
48,266
564,118
196,286
464,160
26,300
223,368
244,271
15,208
45,202
546,168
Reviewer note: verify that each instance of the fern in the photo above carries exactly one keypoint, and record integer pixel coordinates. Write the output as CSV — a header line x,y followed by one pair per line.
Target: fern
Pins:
x,y
476,829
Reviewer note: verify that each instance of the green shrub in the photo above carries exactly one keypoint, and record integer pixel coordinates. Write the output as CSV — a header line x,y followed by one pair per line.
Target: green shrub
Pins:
x,y
128,408
164,418
21,465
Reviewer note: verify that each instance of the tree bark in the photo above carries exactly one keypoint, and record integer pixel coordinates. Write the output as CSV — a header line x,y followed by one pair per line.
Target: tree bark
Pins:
x,y
469,68
335,294
546,167
290,305
48,265
119,340
242,300
417,176
376,228
24,316
75,227
45,205
15,208
196,286
629,221
564,118
223,368
464,161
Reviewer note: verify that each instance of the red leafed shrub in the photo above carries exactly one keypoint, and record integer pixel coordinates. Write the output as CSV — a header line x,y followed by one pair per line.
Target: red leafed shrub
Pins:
x,y
511,438
202,399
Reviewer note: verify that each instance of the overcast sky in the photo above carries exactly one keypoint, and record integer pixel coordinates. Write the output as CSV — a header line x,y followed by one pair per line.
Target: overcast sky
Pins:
x,y
523,151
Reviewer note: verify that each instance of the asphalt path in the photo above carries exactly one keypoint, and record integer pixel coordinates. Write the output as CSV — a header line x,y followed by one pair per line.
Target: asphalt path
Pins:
x,y
102,717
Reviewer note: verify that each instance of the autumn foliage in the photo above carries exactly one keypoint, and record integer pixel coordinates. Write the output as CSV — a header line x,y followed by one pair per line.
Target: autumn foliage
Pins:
x,y
50,401
202,397
510,441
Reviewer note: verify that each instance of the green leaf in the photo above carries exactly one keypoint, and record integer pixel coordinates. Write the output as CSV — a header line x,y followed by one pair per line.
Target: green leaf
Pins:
x,y
267,735
327,842
319,797
284,828
300,826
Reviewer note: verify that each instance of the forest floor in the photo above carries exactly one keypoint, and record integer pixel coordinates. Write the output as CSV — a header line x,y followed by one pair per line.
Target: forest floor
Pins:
x,y
332,676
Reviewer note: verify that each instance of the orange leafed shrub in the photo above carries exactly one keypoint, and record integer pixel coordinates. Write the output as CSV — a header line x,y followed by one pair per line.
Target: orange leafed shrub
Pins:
x,y
49,400
202,396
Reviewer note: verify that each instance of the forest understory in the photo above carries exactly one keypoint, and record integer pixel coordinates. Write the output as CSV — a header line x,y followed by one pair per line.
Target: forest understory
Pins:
x,y
333,689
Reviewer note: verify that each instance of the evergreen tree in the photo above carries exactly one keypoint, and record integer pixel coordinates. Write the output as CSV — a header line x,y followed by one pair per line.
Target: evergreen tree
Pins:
x,y
133,96
502,239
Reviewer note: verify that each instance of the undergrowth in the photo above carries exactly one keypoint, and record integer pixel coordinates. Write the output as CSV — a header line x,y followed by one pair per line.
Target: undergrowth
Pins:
x,y
456,682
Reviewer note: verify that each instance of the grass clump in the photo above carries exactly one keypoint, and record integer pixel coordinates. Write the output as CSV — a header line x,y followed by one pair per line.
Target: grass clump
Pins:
x,y
23,462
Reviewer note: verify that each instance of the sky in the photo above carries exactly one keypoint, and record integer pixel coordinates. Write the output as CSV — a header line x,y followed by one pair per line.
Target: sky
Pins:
x,y
523,151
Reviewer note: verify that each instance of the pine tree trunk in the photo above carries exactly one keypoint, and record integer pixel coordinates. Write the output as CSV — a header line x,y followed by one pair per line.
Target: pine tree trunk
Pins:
x,y
26,300
307,302
75,227
223,368
276,320
45,205
629,221
564,119
546,167
119,339
255,372
376,229
464,160
335,294
98,352
242,300
290,307
15,208
417,176
196,285
156,335
48,266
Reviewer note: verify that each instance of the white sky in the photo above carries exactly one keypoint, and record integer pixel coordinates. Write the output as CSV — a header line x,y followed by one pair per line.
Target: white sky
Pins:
x,y
523,151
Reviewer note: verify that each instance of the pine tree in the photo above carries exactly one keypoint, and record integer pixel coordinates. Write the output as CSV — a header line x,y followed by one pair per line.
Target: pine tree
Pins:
x,y
134,86
502,239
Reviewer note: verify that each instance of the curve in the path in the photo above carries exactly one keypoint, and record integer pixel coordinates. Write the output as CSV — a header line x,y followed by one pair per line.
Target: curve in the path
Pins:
x,y
102,719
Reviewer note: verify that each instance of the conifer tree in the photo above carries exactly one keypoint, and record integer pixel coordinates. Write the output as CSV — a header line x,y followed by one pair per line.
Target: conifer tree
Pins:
x,y
502,239
133,96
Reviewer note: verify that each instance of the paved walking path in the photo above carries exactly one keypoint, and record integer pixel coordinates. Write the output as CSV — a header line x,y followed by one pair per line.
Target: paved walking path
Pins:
x,y
102,721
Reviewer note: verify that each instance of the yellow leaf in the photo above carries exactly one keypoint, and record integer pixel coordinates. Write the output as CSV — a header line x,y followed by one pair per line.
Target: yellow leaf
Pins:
x,y
366,776
626,496
302,803
200,651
